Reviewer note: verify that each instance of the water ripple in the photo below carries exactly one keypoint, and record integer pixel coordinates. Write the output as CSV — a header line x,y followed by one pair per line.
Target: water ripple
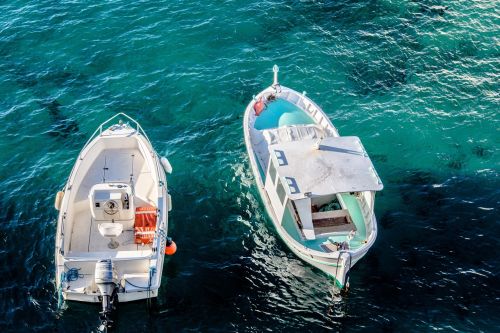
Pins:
x,y
416,80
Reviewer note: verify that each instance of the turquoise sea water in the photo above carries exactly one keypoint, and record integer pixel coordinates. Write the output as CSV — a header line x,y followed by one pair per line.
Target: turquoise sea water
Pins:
x,y
417,81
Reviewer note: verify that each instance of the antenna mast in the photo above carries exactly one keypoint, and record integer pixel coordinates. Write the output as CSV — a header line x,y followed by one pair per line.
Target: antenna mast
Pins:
x,y
132,173
104,171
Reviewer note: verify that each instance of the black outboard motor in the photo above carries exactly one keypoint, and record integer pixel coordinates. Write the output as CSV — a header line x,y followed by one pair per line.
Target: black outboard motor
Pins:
x,y
106,280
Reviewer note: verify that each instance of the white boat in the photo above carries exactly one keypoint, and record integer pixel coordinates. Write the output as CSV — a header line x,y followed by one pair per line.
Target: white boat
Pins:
x,y
113,218
318,187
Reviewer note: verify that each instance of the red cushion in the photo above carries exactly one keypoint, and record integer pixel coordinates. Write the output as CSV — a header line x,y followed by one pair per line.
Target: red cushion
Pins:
x,y
145,224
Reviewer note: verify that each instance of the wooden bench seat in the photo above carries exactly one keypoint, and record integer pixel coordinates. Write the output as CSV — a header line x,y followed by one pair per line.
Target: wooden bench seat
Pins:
x,y
335,221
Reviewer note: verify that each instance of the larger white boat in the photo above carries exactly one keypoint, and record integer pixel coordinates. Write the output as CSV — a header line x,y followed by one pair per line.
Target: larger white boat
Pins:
x,y
318,187
113,219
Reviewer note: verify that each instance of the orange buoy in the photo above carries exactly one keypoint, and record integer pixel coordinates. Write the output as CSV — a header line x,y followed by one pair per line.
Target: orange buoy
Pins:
x,y
259,106
171,247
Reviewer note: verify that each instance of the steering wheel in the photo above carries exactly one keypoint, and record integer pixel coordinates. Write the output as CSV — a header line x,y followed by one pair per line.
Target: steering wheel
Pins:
x,y
110,207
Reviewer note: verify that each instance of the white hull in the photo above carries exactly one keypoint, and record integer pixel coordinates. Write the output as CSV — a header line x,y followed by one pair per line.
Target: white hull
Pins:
x,y
118,155
122,297
336,264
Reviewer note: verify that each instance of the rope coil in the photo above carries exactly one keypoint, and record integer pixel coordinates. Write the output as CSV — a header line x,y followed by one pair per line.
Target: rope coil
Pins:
x,y
71,275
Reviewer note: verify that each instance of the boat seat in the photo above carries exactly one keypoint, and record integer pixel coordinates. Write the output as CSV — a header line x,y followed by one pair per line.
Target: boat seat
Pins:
x,y
145,224
141,253
136,282
293,133
329,247
335,221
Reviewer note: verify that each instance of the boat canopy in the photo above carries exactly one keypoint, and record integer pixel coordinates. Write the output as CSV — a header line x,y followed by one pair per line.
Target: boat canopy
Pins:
x,y
317,167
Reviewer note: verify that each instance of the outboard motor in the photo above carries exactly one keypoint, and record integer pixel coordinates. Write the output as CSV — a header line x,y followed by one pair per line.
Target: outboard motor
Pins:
x,y
106,280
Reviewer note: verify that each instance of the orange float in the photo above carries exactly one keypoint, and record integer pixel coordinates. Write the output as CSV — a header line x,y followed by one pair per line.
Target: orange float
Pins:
x,y
259,106
171,247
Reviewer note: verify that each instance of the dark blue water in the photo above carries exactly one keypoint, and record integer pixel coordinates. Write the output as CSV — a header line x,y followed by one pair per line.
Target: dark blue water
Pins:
x,y
416,80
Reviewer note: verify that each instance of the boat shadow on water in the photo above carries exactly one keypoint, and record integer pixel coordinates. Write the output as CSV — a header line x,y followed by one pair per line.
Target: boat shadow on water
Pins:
x,y
439,244
62,126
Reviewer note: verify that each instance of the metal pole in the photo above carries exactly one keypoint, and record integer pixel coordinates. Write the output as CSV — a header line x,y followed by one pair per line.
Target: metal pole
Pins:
x,y
276,69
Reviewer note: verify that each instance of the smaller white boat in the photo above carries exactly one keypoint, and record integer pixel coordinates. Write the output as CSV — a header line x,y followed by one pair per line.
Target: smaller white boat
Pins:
x,y
318,187
113,219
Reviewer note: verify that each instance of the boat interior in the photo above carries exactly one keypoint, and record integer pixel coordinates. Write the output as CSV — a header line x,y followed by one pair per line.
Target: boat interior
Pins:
x,y
112,209
288,117
336,218
119,161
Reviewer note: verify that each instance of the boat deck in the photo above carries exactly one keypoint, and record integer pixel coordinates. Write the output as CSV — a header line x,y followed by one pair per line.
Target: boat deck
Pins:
x,y
352,205
135,272
277,114
86,237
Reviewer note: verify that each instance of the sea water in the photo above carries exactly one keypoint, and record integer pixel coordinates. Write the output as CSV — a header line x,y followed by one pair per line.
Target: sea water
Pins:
x,y
416,80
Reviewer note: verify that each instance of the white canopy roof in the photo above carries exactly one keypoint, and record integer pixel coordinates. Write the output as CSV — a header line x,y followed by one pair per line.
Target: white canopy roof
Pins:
x,y
341,164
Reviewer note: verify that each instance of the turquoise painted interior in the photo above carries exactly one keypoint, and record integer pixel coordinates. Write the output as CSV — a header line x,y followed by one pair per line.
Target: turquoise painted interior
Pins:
x,y
352,204
289,225
357,216
281,113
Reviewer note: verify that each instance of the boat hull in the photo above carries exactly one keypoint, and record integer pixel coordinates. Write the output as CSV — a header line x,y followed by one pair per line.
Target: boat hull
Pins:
x,y
122,296
336,266
138,267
